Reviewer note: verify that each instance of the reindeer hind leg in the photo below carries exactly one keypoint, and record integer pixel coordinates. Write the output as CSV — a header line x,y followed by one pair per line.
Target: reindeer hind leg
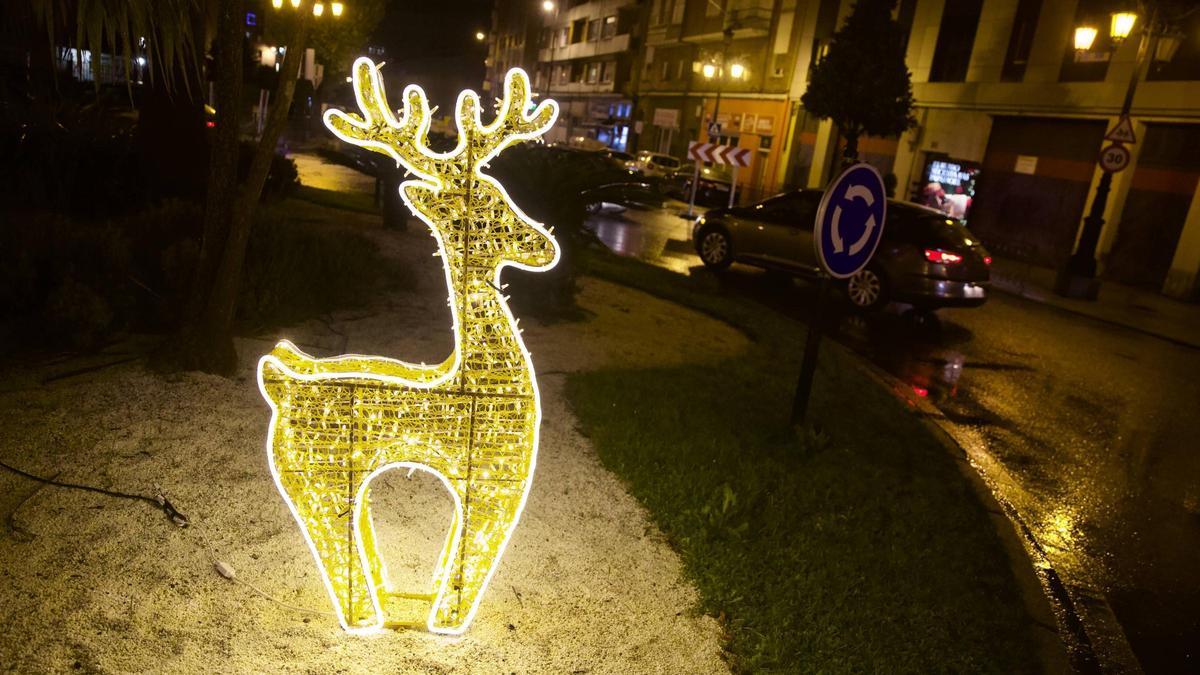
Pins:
x,y
326,517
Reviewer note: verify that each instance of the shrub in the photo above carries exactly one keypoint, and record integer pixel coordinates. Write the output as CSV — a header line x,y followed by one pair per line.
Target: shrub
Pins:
x,y
72,283
298,269
546,183
282,177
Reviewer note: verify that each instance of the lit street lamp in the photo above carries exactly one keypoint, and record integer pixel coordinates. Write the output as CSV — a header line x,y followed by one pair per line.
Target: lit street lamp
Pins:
x,y
480,36
299,40
1078,278
1085,36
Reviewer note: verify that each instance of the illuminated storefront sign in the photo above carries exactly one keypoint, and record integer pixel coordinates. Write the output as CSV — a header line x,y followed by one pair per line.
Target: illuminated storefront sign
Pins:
x,y
949,186
472,421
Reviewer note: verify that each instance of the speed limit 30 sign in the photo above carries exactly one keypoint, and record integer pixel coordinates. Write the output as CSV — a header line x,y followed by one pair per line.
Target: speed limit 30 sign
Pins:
x,y
1114,158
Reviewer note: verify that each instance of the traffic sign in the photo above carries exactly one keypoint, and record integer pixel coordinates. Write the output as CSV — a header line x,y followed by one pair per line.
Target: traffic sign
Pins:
x,y
1123,132
719,154
1114,158
850,221
714,129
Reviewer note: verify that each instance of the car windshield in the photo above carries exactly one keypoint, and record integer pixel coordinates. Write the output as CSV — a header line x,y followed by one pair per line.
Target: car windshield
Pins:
x,y
668,162
617,154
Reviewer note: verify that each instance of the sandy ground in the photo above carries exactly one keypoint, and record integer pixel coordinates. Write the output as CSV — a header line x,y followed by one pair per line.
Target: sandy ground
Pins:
x,y
102,584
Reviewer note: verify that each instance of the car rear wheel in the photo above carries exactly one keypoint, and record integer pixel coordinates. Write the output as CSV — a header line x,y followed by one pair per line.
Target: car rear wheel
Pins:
x,y
715,249
868,289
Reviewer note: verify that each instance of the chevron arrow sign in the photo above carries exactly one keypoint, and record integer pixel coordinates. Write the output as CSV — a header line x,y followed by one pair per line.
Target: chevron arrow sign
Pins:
x,y
719,154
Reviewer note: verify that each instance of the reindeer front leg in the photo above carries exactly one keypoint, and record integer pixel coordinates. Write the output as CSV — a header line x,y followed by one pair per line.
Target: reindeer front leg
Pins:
x,y
491,490
490,513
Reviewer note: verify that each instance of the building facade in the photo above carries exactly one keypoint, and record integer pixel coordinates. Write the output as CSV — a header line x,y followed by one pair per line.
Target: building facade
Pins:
x,y
581,54
1010,116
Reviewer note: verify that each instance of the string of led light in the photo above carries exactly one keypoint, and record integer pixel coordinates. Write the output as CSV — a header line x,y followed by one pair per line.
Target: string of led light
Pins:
x,y
472,421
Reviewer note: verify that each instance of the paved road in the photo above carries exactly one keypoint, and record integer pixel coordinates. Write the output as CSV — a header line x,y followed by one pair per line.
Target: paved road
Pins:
x,y
1089,430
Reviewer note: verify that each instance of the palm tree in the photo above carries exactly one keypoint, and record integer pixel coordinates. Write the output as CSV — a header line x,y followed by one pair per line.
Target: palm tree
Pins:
x,y
178,35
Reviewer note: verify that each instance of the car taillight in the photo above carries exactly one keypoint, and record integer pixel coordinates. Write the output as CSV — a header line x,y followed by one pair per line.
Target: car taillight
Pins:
x,y
941,257
987,260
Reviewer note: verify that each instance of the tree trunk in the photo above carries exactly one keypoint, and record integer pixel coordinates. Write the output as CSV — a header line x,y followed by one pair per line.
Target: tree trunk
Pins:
x,y
201,346
850,154
207,342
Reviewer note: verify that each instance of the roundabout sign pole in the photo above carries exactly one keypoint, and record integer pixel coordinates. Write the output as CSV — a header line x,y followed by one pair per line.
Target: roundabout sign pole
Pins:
x,y
848,229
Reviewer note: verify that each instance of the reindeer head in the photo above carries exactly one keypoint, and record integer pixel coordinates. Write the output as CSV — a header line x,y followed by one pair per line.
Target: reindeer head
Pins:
x,y
468,210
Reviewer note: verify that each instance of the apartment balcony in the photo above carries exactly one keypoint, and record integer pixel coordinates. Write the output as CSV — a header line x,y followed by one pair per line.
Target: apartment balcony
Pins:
x,y
747,18
657,35
580,50
582,88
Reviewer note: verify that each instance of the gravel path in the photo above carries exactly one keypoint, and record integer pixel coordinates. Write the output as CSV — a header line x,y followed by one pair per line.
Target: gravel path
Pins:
x,y
86,581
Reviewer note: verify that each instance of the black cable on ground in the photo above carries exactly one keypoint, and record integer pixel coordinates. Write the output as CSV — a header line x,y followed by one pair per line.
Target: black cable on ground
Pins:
x,y
159,501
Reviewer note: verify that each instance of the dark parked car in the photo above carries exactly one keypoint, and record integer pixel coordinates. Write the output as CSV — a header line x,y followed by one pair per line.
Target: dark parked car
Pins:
x,y
617,196
712,189
924,258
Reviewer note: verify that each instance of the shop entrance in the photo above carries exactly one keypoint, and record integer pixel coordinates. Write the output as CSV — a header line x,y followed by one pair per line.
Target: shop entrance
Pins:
x,y
1034,185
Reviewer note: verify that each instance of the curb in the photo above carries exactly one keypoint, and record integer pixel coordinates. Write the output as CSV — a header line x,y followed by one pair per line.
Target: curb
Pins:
x,y
1017,289
1062,641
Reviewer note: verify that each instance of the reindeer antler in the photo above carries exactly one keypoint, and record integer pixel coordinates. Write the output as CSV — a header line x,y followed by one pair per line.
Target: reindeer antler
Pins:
x,y
511,123
378,128
405,140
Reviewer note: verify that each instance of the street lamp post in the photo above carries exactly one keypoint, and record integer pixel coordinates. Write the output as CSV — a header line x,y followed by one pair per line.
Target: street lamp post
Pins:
x,y
1078,279
709,71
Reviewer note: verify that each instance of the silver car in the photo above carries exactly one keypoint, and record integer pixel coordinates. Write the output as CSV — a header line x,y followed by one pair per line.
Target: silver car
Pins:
x,y
925,258
656,165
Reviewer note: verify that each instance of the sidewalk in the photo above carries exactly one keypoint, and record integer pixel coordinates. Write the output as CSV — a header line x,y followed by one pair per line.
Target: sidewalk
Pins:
x,y
1133,308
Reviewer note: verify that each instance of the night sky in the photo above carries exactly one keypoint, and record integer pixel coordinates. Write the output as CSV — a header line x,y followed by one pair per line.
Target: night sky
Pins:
x,y
432,43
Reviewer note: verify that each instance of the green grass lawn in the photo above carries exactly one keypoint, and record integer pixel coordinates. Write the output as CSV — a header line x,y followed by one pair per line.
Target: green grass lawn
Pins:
x,y
861,548
350,201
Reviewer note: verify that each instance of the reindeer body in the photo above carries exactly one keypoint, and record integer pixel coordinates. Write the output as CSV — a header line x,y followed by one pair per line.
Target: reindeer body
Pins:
x,y
472,420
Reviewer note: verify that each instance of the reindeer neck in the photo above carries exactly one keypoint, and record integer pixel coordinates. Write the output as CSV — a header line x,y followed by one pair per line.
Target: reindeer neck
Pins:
x,y
493,357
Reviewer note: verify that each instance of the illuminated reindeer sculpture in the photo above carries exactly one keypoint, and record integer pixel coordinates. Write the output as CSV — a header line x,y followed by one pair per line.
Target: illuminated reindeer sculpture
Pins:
x,y
472,420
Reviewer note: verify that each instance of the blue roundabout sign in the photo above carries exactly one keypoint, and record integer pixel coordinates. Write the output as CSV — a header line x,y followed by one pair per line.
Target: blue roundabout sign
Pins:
x,y
850,221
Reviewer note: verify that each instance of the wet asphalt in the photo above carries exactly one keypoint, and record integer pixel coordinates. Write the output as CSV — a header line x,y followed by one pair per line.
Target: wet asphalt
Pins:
x,y
1091,431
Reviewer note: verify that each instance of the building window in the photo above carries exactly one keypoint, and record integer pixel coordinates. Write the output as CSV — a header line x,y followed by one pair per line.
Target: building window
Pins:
x,y
610,26
564,74
577,29
713,7
593,72
679,70
657,15
564,36
607,70
593,30
1021,40
677,11
665,71
956,38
